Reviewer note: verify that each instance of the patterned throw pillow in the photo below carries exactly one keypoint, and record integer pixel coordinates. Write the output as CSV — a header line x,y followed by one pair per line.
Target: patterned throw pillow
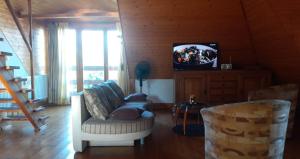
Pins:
x,y
101,94
114,86
94,105
112,97
126,113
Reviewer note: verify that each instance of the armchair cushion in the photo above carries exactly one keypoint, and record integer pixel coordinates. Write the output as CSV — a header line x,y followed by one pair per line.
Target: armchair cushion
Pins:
x,y
139,105
136,97
111,126
126,113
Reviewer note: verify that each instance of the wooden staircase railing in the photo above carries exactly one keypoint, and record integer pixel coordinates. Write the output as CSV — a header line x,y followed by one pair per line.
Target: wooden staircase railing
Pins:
x,y
28,43
19,101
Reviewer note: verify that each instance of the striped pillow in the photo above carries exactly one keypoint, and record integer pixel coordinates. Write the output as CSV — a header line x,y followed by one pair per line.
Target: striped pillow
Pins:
x,y
114,86
101,94
94,104
112,97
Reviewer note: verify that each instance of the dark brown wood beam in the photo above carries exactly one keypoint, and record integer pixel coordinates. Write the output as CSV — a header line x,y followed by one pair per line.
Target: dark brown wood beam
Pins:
x,y
73,15
19,26
85,20
30,41
30,22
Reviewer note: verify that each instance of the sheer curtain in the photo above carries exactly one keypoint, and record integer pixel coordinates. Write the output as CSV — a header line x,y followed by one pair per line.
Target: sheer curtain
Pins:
x,y
58,66
123,76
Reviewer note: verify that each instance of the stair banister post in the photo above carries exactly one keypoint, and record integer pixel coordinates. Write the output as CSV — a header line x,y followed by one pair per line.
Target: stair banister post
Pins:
x,y
30,42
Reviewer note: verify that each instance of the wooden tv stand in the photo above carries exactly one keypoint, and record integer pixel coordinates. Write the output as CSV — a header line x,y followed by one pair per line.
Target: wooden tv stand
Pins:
x,y
219,86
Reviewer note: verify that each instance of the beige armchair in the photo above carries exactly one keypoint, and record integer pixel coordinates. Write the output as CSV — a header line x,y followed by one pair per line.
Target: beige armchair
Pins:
x,y
248,130
285,92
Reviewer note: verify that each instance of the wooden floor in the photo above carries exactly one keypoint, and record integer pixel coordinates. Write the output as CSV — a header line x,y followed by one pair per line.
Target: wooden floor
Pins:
x,y
18,141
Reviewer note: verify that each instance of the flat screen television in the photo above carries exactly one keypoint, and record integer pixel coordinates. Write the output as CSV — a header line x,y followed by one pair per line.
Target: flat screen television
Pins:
x,y
193,56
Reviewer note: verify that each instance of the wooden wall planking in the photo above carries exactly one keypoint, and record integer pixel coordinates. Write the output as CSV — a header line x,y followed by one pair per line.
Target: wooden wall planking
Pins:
x,y
8,26
151,27
274,26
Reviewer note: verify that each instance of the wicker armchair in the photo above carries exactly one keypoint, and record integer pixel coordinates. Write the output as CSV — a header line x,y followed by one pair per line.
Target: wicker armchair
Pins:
x,y
285,92
247,130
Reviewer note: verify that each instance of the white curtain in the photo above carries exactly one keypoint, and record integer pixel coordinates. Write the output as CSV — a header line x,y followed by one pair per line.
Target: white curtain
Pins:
x,y
123,76
62,72
58,93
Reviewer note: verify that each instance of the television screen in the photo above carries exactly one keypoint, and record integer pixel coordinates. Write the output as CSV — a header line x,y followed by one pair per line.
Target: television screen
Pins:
x,y
195,56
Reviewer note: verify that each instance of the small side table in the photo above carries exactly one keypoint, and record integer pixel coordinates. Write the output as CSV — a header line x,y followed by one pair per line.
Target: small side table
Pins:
x,y
186,109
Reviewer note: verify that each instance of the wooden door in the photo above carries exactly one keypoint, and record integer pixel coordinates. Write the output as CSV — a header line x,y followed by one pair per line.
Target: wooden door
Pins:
x,y
195,86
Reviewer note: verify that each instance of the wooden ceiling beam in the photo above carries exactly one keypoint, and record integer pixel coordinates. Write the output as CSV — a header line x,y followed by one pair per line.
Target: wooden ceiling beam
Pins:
x,y
73,15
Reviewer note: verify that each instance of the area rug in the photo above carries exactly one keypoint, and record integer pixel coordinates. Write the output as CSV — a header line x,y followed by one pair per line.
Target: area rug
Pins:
x,y
191,130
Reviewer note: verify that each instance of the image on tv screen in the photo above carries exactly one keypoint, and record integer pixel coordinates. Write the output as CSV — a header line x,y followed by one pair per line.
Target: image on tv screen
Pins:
x,y
195,55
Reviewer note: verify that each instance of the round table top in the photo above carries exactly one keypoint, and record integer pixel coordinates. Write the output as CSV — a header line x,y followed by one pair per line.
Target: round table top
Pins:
x,y
189,106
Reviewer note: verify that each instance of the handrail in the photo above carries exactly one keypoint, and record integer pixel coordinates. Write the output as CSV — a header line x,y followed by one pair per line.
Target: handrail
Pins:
x,y
29,47
14,15
13,60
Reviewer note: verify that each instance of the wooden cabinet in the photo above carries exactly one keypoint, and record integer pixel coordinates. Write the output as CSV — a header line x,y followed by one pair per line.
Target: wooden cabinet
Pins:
x,y
218,87
187,84
222,87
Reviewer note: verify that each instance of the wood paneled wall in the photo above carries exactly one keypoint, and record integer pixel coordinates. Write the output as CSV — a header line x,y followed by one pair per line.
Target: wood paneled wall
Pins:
x,y
10,30
274,26
150,27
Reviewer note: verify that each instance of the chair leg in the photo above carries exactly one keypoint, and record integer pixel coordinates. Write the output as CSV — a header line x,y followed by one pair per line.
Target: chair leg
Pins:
x,y
184,122
142,141
79,145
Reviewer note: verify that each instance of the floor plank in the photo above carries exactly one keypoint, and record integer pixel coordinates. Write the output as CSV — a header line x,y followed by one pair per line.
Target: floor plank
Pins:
x,y
18,141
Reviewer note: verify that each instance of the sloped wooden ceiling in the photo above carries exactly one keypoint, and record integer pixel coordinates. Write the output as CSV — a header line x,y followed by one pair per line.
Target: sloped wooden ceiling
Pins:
x,y
274,25
105,10
150,27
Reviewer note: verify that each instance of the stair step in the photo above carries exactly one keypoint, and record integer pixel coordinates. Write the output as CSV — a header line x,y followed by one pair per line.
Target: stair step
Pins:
x,y
14,118
3,53
3,90
12,107
9,107
10,67
38,109
44,117
6,100
42,120
33,101
25,90
18,79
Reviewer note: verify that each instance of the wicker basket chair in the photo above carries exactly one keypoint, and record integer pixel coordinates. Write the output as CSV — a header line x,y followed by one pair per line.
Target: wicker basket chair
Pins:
x,y
285,92
248,130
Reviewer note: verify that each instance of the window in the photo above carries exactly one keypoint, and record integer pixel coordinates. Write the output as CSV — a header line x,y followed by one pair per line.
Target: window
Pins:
x,y
92,57
100,53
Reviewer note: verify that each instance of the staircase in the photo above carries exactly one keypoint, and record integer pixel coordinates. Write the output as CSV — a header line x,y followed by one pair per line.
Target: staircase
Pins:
x,y
18,107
